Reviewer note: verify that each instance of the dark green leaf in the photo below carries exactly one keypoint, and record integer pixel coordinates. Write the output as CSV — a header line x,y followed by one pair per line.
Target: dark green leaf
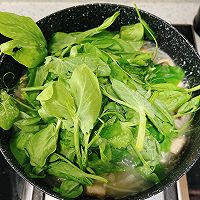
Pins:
x,y
190,106
8,111
61,41
69,189
66,170
66,145
28,45
42,144
166,74
105,150
17,145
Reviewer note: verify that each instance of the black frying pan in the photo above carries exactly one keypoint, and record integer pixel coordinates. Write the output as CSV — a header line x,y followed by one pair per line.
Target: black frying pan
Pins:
x,y
84,17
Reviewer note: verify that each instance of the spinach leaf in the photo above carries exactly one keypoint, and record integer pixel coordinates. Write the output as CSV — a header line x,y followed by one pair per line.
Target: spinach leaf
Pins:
x,y
137,102
28,45
28,121
139,59
105,150
86,92
165,74
154,132
63,67
61,41
66,144
151,151
42,144
69,189
93,50
118,134
113,109
65,169
133,32
107,22
18,144
101,167
148,173
29,125
189,107
57,100
41,74
148,31
8,111
171,99
126,46
166,86
116,45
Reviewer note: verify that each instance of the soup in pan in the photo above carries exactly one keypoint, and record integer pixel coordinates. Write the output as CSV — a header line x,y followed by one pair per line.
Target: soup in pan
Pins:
x,y
96,113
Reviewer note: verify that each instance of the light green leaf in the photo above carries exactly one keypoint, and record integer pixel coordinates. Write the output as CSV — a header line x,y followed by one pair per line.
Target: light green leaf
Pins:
x,y
61,41
190,106
57,100
69,189
86,92
134,32
63,67
8,111
28,45
42,144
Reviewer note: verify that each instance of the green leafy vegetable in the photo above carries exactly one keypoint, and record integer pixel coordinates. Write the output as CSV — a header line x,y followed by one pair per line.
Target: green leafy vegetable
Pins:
x,y
28,45
85,89
61,41
70,189
8,111
45,141
165,74
189,107
97,110
57,100
133,32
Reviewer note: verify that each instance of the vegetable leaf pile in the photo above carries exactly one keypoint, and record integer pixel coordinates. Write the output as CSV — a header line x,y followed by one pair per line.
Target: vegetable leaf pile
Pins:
x,y
92,101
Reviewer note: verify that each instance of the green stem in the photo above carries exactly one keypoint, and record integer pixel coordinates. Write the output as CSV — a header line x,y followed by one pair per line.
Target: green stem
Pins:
x,y
99,178
141,131
58,125
64,51
193,89
76,142
86,141
33,88
149,31
97,135
24,105
137,11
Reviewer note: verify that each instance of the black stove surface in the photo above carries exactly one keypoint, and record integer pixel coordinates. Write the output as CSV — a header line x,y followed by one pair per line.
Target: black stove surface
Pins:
x,y
12,186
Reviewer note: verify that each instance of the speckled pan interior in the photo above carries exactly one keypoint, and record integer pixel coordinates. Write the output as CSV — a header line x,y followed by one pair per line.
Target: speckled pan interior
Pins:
x,y
84,17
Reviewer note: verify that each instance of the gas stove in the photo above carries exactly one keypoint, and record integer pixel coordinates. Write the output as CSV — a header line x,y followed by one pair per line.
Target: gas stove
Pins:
x,y
13,187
